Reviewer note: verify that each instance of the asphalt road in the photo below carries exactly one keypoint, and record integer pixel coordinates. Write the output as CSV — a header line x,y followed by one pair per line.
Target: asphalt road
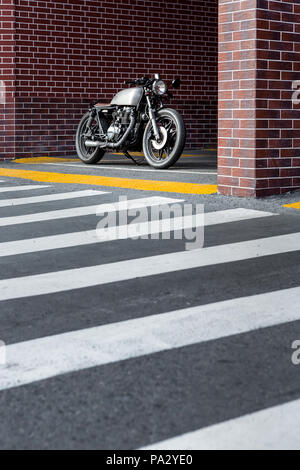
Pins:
x,y
175,342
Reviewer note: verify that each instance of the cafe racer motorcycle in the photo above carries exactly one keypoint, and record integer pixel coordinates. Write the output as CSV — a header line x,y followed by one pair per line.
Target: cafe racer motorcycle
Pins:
x,y
137,119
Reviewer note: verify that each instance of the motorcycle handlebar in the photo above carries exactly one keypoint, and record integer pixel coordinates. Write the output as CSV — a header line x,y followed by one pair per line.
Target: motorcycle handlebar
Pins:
x,y
139,81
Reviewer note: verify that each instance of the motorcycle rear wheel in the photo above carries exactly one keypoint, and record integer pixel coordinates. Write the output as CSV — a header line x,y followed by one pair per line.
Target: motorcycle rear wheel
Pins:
x,y
87,155
173,132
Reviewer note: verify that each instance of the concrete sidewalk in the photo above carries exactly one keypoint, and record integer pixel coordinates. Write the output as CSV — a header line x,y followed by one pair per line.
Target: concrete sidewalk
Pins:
x,y
205,159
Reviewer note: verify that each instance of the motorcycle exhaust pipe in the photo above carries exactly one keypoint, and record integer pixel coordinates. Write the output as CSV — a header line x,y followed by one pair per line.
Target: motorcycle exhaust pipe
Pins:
x,y
92,143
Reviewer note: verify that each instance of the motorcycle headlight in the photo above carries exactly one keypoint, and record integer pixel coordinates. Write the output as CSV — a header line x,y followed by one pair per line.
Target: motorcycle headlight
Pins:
x,y
159,87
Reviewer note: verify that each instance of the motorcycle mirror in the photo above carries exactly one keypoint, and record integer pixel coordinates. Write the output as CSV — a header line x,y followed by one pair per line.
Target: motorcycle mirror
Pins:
x,y
157,76
176,83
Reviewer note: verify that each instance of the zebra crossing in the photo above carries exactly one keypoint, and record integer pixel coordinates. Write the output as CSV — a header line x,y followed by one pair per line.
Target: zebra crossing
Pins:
x,y
144,335
110,234
60,354
81,211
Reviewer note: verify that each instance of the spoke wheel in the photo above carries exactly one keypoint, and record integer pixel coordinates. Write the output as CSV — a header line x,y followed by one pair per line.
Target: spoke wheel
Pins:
x,y
165,153
88,154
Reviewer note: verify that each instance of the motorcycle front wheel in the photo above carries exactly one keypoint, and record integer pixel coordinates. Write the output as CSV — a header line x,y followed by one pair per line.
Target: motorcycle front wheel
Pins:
x,y
173,135
88,155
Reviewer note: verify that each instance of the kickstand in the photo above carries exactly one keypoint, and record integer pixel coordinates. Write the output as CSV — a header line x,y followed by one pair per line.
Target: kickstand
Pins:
x,y
138,163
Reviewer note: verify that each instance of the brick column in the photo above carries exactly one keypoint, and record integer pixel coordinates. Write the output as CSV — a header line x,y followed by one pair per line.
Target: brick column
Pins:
x,y
259,136
7,79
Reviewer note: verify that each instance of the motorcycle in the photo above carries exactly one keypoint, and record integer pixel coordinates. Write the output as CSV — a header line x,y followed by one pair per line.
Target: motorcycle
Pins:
x,y
137,119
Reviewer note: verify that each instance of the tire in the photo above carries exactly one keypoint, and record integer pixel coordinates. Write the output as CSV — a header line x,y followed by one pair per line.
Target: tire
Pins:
x,y
88,155
176,136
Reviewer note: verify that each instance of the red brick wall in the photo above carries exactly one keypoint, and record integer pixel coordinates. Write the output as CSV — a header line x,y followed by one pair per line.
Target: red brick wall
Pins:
x,y
259,137
70,52
7,82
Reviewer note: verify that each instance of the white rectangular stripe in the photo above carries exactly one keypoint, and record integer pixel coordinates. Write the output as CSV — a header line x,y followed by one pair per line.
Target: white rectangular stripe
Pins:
x,y
61,281
49,197
68,240
86,210
8,189
60,354
275,428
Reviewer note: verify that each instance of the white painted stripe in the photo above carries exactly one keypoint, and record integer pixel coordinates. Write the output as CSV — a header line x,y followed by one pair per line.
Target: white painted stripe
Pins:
x,y
9,189
175,170
68,240
49,197
275,428
60,354
87,210
234,215
79,278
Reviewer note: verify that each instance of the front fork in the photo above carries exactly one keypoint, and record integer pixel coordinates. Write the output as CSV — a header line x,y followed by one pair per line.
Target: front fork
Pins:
x,y
153,121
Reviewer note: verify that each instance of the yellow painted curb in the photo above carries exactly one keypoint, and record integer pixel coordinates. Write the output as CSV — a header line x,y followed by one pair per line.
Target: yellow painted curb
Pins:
x,y
295,205
144,185
36,160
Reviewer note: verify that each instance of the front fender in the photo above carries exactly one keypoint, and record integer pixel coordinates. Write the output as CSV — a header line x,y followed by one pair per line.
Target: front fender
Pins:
x,y
164,108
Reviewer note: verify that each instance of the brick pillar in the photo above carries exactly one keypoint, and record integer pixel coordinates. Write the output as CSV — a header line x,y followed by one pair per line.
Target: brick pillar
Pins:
x,y
7,79
259,130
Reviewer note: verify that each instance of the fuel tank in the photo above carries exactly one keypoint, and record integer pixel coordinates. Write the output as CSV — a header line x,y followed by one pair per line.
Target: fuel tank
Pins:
x,y
128,97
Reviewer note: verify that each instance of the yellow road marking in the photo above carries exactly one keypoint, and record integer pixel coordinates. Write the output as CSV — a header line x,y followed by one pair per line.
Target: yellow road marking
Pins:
x,y
144,185
37,160
295,205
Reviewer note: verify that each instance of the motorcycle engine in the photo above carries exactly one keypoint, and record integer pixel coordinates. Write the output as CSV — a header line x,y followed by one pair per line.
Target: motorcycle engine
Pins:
x,y
118,125
114,131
